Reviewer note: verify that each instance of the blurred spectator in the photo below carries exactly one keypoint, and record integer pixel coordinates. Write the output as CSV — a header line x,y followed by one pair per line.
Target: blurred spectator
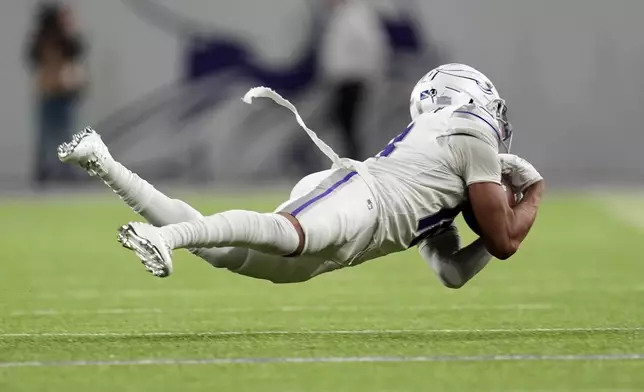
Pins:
x,y
353,59
55,52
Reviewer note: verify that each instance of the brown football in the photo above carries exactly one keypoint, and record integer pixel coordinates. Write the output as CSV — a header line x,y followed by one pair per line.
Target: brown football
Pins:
x,y
468,214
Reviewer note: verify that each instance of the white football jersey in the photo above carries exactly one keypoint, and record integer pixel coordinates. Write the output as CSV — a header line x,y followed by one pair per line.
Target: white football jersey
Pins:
x,y
421,176
420,179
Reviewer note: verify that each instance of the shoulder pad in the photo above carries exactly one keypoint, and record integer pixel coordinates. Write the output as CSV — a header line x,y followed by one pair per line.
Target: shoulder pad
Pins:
x,y
473,118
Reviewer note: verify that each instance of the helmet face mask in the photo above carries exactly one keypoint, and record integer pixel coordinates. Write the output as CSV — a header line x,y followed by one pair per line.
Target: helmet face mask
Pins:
x,y
499,109
459,84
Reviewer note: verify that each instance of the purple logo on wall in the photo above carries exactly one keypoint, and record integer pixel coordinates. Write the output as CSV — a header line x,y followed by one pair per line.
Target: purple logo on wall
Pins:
x,y
208,54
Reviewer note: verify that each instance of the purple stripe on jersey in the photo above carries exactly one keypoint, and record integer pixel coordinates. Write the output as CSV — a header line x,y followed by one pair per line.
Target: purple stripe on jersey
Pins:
x,y
324,194
431,225
486,121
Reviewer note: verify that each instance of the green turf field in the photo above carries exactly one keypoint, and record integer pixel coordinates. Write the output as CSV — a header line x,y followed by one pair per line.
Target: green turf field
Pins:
x,y
78,312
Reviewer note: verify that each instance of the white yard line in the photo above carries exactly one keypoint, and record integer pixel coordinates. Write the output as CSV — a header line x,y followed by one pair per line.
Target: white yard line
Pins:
x,y
321,332
285,309
507,288
301,360
56,312
422,307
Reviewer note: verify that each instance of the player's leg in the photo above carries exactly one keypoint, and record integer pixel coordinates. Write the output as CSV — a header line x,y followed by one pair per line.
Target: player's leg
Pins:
x,y
89,152
337,219
282,270
274,268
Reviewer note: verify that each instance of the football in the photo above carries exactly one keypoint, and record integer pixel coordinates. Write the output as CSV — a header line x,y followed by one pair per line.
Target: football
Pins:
x,y
468,214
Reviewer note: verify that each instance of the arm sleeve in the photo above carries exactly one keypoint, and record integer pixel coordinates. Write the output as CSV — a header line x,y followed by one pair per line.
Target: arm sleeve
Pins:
x,y
453,266
475,160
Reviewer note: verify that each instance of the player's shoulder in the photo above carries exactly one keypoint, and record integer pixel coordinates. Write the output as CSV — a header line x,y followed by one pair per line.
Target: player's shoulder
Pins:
x,y
474,120
475,114
470,115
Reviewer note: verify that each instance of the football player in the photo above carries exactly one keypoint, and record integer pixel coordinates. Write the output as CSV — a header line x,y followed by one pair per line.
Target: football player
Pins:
x,y
454,151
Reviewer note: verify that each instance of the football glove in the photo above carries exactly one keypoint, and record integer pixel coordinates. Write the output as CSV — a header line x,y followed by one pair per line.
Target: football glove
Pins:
x,y
521,174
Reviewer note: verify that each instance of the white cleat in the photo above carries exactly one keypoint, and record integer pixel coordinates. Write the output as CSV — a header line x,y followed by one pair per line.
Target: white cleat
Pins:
x,y
148,244
87,150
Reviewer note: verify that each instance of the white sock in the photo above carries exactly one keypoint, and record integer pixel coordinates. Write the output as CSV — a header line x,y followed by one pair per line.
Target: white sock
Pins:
x,y
145,199
265,232
159,210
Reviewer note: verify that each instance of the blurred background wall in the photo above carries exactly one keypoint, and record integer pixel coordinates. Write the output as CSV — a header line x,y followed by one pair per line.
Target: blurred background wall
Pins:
x,y
166,77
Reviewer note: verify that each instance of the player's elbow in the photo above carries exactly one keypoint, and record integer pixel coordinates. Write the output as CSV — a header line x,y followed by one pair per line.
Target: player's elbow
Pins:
x,y
503,248
451,276
453,284
503,254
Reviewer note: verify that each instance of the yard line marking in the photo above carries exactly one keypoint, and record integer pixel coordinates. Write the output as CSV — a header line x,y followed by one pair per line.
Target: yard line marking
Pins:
x,y
319,332
421,307
300,360
506,288
55,312
286,309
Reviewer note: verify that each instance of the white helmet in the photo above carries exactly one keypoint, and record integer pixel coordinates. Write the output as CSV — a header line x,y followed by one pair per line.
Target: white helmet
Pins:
x,y
459,84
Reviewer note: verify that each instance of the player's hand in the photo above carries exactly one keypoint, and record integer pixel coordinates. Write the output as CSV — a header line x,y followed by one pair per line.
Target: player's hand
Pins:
x,y
521,173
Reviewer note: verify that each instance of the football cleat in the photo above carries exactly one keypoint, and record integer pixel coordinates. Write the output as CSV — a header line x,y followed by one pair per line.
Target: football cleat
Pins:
x,y
87,150
150,247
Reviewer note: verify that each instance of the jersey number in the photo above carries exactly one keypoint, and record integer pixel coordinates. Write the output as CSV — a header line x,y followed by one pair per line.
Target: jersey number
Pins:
x,y
433,224
389,148
392,145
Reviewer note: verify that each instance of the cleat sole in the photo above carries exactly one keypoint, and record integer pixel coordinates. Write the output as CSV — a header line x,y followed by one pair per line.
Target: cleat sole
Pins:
x,y
149,255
